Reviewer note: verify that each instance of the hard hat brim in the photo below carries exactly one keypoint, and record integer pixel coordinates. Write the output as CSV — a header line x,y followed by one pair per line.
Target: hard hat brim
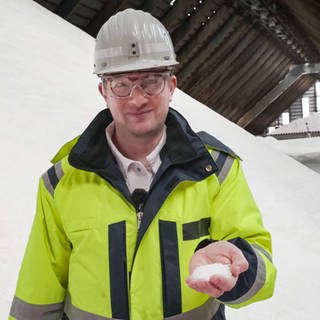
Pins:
x,y
140,65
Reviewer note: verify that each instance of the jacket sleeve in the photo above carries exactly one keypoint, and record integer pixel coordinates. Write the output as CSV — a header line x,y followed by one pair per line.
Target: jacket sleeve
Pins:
x,y
236,218
43,276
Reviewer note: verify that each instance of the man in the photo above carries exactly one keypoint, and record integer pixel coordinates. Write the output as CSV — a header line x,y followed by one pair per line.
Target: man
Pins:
x,y
138,201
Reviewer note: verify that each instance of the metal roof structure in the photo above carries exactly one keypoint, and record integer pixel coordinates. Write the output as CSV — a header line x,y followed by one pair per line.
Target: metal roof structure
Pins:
x,y
246,59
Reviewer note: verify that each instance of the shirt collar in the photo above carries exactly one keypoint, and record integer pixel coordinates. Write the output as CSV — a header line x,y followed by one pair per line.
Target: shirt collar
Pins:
x,y
153,157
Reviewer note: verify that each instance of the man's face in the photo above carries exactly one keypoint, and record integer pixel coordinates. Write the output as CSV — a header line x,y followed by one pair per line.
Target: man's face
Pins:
x,y
138,101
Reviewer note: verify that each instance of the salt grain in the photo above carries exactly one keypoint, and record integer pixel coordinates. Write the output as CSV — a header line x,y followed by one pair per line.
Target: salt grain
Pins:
x,y
208,270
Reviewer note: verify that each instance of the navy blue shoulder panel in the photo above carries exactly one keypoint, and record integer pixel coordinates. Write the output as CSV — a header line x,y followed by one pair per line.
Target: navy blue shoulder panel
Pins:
x,y
213,142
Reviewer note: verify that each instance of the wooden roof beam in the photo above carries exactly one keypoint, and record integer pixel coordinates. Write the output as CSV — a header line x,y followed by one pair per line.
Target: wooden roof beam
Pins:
x,y
246,92
217,57
216,77
236,75
280,25
177,15
157,8
205,38
223,78
203,22
66,7
190,66
109,9
262,86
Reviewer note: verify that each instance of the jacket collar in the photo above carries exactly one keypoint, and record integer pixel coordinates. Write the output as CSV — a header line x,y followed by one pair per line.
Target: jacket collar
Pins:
x,y
92,153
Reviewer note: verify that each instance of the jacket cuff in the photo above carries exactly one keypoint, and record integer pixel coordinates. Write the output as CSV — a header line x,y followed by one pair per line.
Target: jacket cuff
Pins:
x,y
246,279
203,244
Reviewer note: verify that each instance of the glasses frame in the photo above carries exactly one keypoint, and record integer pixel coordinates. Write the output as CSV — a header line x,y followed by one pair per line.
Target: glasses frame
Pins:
x,y
108,78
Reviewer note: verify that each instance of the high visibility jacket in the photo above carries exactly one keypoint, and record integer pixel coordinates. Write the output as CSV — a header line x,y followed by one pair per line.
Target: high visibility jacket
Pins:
x,y
86,258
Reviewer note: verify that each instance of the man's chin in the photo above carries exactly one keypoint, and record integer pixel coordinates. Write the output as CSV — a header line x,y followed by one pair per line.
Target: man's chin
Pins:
x,y
145,132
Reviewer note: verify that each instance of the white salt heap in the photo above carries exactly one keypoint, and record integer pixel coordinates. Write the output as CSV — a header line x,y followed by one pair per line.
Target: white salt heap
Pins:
x,y
208,270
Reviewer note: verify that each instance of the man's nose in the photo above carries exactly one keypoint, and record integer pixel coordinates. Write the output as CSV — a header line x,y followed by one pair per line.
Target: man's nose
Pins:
x,y
138,95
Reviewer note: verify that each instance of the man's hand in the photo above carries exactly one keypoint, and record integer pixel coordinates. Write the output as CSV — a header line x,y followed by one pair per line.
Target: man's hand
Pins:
x,y
218,252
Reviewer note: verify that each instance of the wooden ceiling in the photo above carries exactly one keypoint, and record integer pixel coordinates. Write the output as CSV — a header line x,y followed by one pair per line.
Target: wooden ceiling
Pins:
x,y
246,59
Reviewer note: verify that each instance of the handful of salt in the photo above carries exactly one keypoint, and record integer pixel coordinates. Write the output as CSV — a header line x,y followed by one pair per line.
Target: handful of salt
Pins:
x,y
208,270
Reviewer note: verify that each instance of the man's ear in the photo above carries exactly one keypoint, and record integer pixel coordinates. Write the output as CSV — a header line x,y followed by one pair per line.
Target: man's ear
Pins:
x,y
173,84
101,90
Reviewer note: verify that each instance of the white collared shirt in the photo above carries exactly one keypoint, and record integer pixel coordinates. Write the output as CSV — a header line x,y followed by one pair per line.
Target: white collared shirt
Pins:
x,y
136,175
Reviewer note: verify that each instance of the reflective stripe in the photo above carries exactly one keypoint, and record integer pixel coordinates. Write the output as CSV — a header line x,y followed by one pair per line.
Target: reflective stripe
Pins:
x,y
22,310
123,50
258,283
225,169
224,163
222,157
118,270
267,254
204,312
74,313
52,177
171,286
214,154
196,229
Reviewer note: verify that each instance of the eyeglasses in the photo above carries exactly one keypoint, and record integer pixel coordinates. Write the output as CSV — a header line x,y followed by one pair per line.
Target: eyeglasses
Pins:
x,y
122,86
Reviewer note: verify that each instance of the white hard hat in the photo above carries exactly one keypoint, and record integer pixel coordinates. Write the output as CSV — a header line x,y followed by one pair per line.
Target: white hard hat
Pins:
x,y
132,40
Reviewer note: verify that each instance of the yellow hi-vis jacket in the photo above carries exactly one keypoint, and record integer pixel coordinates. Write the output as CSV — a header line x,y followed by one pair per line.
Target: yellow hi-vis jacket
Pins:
x,y
86,258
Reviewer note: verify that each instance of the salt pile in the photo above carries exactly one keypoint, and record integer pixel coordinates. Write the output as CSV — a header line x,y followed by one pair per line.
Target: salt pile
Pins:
x,y
208,270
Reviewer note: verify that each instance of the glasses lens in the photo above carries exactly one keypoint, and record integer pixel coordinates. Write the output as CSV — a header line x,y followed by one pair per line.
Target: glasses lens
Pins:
x,y
121,86
153,84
